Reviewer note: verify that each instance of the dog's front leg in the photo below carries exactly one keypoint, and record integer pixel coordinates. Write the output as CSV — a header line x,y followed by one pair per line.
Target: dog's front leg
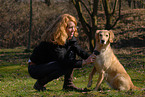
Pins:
x,y
100,79
91,76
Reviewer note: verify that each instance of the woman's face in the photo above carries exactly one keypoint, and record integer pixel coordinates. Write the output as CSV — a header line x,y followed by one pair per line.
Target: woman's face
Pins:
x,y
70,29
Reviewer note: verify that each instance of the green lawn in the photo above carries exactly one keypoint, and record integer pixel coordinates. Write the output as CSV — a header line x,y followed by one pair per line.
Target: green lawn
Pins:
x,y
16,82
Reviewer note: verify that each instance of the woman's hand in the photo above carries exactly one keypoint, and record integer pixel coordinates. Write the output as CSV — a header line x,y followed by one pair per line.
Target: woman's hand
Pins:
x,y
90,59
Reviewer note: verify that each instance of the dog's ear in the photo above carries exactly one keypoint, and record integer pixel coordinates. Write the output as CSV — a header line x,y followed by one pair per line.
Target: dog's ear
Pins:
x,y
97,35
111,36
97,31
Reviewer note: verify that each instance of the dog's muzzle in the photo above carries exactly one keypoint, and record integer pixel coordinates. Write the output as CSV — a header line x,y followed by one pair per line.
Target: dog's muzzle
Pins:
x,y
103,42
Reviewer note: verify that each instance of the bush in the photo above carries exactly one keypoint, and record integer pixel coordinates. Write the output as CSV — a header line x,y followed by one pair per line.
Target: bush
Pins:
x,y
14,21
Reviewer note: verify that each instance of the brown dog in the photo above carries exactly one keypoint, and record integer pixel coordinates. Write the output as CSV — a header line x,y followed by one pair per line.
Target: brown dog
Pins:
x,y
107,64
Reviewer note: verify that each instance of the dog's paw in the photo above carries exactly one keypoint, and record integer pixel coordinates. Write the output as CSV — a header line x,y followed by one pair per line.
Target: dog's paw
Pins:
x,y
90,83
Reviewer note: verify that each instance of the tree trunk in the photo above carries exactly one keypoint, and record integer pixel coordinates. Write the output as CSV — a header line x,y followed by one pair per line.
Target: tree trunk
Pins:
x,y
89,29
30,27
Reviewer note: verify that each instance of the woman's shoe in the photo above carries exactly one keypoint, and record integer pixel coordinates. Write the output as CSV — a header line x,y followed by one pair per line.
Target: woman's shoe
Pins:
x,y
39,87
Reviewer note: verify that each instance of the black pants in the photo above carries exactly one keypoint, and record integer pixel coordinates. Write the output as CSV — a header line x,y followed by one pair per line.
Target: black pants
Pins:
x,y
47,71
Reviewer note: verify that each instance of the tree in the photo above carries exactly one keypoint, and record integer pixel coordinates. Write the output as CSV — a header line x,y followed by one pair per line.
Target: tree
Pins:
x,y
90,24
30,27
136,3
109,15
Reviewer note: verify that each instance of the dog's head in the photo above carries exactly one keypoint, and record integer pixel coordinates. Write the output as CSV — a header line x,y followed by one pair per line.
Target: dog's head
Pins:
x,y
104,36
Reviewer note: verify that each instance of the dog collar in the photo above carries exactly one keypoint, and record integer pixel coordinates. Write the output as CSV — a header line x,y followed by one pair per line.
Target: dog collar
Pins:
x,y
96,52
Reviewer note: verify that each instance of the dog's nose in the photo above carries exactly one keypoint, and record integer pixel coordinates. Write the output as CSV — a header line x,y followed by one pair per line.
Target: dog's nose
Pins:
x,y
102,41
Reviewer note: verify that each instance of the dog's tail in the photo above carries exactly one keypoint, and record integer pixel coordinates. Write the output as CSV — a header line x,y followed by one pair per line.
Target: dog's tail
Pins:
x,y
137,88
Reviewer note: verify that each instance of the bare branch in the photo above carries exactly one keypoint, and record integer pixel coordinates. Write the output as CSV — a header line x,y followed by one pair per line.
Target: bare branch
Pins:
x,y
119,13
95,12
80,15
115,5
85,7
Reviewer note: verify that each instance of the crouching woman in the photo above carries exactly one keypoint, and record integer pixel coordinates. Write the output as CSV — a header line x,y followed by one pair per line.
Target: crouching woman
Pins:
x,y
56,54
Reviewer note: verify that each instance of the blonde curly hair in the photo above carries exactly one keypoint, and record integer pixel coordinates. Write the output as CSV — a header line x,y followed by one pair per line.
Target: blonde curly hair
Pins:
x,y
56,33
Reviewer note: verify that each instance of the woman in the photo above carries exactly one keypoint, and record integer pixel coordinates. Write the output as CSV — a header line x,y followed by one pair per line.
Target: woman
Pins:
x,y
56,54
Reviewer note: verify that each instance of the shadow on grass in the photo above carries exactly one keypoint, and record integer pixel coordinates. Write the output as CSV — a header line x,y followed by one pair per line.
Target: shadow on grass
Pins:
x,y
138,41
13,57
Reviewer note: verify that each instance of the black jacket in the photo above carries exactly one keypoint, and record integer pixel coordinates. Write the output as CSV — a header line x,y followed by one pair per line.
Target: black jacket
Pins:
x,y
47,52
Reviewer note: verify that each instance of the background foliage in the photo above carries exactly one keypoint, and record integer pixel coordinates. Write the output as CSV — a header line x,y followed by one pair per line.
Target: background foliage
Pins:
x,y
14,22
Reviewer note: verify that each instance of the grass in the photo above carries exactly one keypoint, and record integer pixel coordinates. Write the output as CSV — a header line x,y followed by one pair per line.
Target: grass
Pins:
x,y
16,82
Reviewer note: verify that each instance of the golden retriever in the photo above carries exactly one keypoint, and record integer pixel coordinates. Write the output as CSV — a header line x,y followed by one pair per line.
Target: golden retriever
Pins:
x,y
107,64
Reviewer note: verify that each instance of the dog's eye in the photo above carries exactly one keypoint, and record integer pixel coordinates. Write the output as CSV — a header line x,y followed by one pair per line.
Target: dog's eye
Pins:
x,y
100,34
106,35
